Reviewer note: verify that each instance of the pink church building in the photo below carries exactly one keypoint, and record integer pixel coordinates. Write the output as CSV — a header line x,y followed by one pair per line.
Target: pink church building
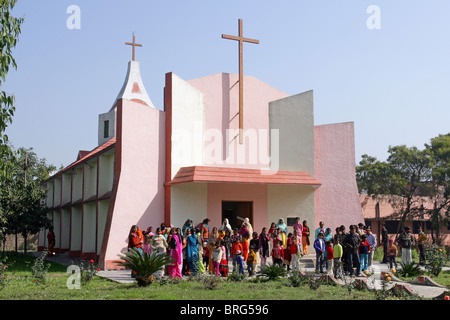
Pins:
x,y
186,161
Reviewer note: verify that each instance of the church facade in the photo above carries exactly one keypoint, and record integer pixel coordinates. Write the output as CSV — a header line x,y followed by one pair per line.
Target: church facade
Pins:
x,y
187,161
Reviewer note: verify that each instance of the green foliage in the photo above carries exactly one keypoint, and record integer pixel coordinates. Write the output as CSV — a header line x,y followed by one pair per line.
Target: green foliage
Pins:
x,y
236,277
296,279
39,269
409,270
435,258
273,272
87,271
145,265
211,282
10,27
4,280
408,178
21,211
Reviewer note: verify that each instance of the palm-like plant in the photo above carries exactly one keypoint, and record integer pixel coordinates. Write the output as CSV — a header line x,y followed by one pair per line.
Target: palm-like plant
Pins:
x,y
272,271
144,265
409,270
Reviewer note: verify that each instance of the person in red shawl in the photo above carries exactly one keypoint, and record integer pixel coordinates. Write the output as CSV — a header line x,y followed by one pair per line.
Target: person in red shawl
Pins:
x,y
135,240
245,233
51,242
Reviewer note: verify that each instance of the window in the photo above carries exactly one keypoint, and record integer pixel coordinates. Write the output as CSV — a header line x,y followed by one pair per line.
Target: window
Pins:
x,y
391,226
290,221
106,129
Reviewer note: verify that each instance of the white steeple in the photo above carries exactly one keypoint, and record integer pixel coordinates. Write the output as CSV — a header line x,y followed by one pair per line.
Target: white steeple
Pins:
x,y
133,88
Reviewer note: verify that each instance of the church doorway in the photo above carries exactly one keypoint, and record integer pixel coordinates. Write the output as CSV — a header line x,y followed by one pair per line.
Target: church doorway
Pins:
x,y
237,211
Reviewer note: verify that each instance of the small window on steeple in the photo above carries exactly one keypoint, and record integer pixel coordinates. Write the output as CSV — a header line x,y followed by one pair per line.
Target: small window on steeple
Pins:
x,y
106,129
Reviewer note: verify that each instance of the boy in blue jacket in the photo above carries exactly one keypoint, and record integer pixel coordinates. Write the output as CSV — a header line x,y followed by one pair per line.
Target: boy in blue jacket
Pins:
x,y
319,246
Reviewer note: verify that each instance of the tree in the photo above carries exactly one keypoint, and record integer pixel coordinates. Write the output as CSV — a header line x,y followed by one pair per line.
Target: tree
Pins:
x,y
21,194
10,30
405,179
439,150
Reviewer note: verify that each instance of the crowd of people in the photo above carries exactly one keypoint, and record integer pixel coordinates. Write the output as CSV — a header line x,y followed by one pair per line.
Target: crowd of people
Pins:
x,y
201,248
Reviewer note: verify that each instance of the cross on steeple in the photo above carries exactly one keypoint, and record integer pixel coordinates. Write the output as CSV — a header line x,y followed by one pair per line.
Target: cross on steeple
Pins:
x,y
134,44
241,40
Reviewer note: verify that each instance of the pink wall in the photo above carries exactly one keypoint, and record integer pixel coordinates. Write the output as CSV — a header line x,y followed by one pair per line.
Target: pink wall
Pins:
x,y
140,195
337,199
218,192
221,93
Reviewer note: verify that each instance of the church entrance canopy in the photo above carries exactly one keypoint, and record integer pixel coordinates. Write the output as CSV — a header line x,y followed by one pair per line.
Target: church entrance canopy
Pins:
x,y
246,176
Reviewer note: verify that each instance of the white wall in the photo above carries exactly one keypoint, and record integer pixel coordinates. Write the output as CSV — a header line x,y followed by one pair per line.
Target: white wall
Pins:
x,y
291,201
188,123
294,118
188,200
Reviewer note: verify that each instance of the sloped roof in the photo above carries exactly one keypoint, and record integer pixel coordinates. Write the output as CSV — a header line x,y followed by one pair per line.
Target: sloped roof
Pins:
x,y
238,175
87,155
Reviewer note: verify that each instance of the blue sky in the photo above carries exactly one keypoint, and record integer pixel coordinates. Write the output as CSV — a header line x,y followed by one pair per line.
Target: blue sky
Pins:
x,y
393,82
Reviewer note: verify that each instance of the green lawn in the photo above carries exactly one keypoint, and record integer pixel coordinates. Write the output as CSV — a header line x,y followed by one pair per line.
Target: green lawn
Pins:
x,y
21,285
55,288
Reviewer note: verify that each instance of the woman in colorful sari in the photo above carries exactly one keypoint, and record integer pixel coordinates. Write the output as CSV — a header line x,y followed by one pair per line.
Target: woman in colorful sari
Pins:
x,y
175,254
192,251
226,226
283,228
244,232
148,234
271,234
180,247
135,240
264,241
305,237
249,226
205,230
201,266
211,241
189,224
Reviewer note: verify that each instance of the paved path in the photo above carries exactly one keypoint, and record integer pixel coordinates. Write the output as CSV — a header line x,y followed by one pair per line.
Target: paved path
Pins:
x,y
306,265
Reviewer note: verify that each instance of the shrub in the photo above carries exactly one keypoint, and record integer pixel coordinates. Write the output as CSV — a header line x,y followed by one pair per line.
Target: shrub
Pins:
x,y
296,279
145,265
211,282
409,270
39,268
236,277
3,269
272,271
87,272
435,258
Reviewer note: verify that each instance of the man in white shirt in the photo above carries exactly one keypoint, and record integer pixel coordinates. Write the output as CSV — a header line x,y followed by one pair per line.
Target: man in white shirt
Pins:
x,y
372,240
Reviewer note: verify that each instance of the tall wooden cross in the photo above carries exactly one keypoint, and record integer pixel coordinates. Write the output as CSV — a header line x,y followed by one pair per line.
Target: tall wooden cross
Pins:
x,y
241,40
134,44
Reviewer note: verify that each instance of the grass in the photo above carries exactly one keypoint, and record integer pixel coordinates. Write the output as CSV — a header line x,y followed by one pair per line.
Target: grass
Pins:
x,y
22,285
23,288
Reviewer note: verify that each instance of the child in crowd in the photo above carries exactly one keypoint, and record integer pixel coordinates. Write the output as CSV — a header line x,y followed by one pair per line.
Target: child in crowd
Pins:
x,y
277,253
295,246
330,257
216,257
223,268
392,254
236,251
364,249
256,245
319,246
206,253
287,255
251,261
337,258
